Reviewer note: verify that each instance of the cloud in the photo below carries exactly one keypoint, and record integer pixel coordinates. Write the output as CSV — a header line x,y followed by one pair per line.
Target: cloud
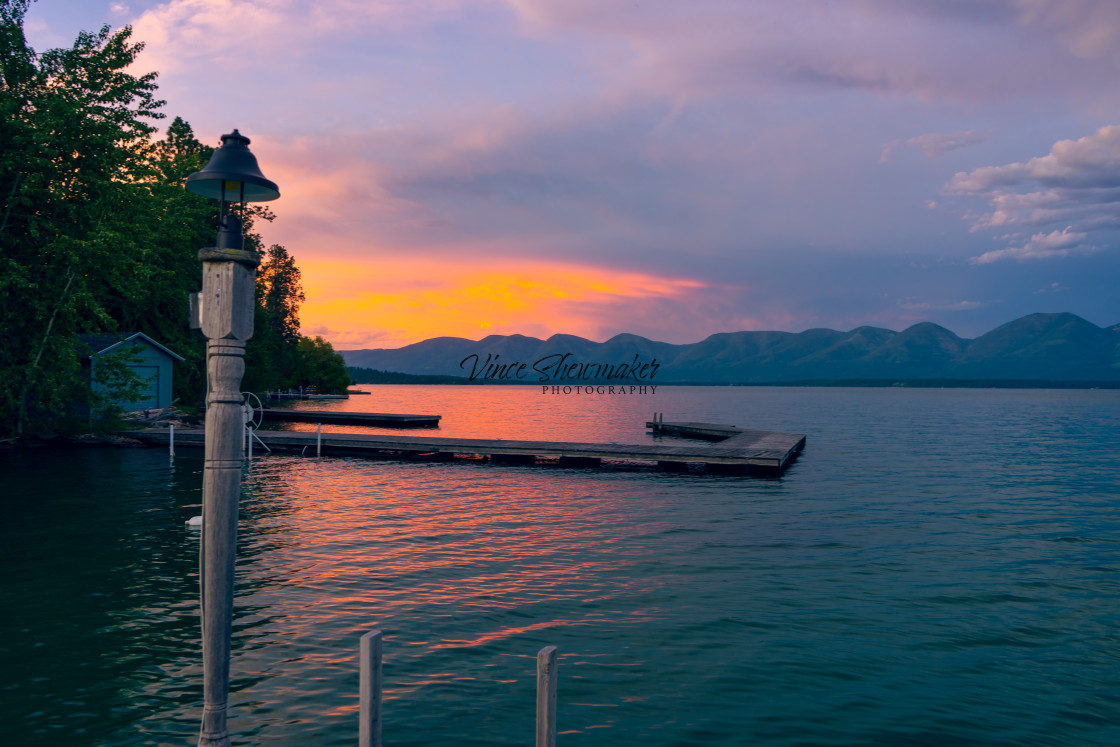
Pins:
x,y
1002,49
1076,185
387,303
728,142
1040,246
934,144
1090,162
1087,28
247,34
599,183
951,306
221,34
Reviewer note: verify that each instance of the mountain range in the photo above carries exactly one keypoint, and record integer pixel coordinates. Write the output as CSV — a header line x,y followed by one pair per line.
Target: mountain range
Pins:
x,y
1038,347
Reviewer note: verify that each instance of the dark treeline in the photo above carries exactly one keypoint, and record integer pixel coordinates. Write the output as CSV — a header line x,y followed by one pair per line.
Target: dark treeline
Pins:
x,y
360,375
98,235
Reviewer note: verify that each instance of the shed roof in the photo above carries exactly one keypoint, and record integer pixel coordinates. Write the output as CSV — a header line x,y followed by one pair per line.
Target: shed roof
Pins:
x,y
105,343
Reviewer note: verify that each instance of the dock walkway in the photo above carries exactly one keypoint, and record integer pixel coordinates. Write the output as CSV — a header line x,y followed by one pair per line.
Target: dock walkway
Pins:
x,y
300,395
751,451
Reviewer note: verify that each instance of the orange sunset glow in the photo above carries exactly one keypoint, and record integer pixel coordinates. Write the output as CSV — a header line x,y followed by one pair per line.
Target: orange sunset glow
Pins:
x,y
387,304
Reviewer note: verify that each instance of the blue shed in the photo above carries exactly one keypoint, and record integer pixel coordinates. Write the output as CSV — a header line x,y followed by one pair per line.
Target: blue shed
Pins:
x,y
154,364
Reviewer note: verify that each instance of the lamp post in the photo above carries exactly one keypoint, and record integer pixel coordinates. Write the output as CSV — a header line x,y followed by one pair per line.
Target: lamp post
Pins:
x,y
224,313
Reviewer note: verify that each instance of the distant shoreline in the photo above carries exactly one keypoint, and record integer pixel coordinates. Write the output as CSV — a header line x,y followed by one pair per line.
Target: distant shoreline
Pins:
x,y
1051,351
392,377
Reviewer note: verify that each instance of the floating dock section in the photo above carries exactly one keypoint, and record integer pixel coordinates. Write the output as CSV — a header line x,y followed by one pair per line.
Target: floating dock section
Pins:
x,y
745,451
300,395
378,419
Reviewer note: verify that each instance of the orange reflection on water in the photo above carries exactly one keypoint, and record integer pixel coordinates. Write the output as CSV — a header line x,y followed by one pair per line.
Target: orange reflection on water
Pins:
x,y
507,412
489,543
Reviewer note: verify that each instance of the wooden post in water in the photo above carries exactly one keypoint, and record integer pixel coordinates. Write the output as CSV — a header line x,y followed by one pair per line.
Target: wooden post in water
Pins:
x,y
226,318
223,310
319,439
369,690
171,440
546,697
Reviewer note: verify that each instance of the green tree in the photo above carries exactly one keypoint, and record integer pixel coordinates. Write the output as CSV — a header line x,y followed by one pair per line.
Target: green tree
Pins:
x,y
278,283
171,225
98,234
75,130
271,357
321,367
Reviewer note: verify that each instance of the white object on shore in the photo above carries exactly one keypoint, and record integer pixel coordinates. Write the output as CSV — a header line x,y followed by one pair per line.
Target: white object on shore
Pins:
x,y
194,521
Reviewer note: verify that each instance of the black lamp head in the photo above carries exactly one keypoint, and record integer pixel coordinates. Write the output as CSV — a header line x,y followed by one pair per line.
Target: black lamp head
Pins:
x,y
232,175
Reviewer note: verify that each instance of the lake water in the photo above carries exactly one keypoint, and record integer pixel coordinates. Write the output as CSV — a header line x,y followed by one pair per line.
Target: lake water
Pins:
x,y
938,567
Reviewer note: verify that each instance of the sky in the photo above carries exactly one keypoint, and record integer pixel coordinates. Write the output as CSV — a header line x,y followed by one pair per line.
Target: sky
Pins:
x,y
664,168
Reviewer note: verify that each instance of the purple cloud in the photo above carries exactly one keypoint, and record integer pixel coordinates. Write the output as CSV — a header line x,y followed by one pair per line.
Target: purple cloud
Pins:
x,y
1077,184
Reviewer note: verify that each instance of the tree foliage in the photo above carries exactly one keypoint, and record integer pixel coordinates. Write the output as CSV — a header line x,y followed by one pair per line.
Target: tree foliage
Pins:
x,y
280,292
320,367
273,351
75,126
279,357
97,233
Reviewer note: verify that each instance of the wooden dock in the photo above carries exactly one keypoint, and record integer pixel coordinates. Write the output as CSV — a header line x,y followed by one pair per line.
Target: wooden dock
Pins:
x,y
379,419
705,431
299,395
747,451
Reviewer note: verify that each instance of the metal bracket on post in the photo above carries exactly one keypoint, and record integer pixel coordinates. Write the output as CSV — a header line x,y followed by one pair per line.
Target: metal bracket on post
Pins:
x,y
195,312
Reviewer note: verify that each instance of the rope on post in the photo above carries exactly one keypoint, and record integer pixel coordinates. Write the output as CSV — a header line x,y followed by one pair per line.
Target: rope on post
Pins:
x,y
369,690
546,697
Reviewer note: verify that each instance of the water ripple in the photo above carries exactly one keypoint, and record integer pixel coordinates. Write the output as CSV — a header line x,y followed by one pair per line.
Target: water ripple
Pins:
x,y
938,568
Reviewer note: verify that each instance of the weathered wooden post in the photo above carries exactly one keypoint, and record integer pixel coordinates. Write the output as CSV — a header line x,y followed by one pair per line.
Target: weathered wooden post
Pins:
x,y
369,690
171,440
546,697
319,439
224,312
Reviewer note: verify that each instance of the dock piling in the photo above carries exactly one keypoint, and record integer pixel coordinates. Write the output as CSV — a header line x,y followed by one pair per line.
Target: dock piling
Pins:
x,y
319,439
171,440
369,690
546,697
